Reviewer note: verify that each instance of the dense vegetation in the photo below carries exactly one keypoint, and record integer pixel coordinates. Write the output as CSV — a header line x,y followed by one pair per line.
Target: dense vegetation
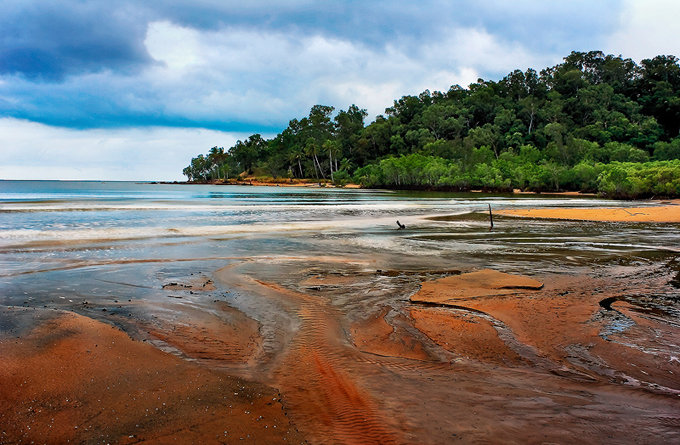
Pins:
x,y
595,123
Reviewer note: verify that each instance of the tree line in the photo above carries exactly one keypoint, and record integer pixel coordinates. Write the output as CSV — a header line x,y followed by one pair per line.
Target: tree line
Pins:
x,y
596,122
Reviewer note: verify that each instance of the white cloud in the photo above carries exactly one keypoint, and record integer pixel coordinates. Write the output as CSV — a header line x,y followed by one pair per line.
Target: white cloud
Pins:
x,y
647,28
36,151
177,48
479,49
271,76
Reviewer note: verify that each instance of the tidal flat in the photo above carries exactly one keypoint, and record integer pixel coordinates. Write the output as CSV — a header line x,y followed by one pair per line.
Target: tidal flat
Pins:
x,y
229,314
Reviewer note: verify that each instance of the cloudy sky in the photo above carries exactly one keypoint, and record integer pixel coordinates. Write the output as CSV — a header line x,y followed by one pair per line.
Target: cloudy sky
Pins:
x,y
131,90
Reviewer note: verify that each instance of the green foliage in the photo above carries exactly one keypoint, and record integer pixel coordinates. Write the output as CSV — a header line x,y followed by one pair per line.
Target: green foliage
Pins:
x,y
580,125
584,176
664,151
342,178
640,180
622,180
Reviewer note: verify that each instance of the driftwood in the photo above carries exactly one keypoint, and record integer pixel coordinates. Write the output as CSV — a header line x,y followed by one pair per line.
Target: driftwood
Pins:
x,y
490,218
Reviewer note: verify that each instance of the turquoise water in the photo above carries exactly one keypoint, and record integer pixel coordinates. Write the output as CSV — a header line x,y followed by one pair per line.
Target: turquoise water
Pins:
x,y
39,210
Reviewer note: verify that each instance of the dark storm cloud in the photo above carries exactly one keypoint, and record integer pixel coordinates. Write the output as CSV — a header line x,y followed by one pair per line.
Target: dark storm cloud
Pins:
x,y
47,39
51,39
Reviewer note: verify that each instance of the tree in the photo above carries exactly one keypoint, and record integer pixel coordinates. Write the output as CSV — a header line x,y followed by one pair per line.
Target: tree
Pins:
x,y
348,125
545,131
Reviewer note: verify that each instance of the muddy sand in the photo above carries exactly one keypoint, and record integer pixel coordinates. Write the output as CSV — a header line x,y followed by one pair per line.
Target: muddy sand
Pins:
x,y
334,349
69,378
423,357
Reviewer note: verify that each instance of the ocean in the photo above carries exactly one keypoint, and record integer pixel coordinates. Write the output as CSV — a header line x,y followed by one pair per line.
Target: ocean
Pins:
x,y
54,225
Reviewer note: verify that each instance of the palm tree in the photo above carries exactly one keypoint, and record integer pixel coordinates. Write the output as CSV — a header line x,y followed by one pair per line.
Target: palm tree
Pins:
x,y
312,149
216,159
333,148
295,156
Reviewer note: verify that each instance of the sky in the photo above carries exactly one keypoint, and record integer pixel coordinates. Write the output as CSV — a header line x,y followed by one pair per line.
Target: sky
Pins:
x,y
132,90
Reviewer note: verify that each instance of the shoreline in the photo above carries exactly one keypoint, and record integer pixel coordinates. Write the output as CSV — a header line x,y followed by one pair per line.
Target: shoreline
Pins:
x,y
265,183
297,331
321,184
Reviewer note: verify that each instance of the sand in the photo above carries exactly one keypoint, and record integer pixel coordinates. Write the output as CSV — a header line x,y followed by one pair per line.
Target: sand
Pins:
x,y
427,356
668,213
279,182
553,323
482,283
71,378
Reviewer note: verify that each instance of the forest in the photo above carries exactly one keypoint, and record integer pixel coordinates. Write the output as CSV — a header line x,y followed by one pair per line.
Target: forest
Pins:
x,y
594,123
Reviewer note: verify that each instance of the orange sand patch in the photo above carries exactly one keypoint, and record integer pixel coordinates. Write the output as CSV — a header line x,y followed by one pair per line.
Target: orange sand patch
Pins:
x,y
660,214
298,184
376,336
524,192
279,182
226,335
74,379
545,322
316,373
463,334
559,328
483,283
564,332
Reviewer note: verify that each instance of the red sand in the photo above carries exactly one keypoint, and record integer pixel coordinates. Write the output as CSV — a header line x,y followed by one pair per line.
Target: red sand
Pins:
x,y
376,336
75,379
463,334
479,357
483,283
659,214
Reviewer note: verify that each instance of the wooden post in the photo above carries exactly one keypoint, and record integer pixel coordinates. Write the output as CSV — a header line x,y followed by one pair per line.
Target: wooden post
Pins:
x,y
490,218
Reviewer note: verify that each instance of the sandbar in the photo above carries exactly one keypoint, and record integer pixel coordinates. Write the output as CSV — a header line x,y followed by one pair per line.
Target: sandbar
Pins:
x,y
669,212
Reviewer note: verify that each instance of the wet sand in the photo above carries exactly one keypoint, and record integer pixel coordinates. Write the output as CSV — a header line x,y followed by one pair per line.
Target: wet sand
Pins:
x,y
665,213
343,349
65,377
535,362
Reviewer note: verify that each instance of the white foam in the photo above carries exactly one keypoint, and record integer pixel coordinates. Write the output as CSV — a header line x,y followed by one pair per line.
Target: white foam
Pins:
x,y
28,236
204,207
342,205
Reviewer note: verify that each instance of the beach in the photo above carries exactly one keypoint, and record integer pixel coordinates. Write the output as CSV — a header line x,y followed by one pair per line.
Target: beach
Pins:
x,y
161,313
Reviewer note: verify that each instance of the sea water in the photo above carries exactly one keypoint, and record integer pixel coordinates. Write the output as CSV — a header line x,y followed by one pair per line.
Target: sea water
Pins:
x,y
79,236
